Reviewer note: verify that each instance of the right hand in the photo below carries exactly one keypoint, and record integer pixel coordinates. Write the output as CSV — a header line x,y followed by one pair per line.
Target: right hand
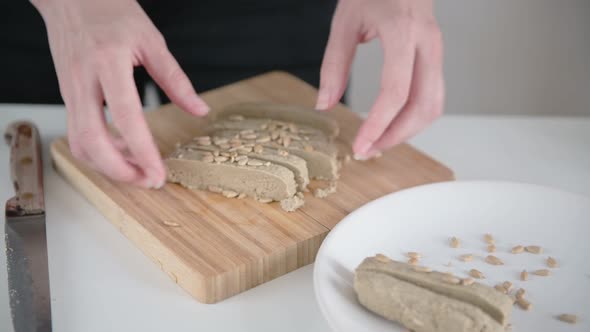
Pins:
x,y
95,45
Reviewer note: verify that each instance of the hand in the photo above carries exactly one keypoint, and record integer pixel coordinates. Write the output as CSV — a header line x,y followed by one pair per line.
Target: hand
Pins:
x,y
412,86
95,45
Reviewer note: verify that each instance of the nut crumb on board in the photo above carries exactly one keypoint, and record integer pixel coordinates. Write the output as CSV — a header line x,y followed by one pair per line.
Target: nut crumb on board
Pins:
x,y
455,243
524,275
324,192
413,261
171,223
491,248
520,293
489,239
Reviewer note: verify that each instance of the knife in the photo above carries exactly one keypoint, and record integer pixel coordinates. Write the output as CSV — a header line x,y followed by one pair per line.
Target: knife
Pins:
x,y
26,240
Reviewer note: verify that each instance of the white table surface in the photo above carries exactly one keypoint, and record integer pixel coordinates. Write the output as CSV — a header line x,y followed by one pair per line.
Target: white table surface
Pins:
x,y
101,282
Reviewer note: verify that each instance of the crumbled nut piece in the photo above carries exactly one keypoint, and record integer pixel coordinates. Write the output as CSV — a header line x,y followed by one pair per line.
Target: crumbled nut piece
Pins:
x,y
517,250
520,293
252,162
476,274
467,281
551,262
568,318
466,258
413,254
422,269
523,303
524,275
229,193
542,272
533,249
382,258
494,260
455,243
501,289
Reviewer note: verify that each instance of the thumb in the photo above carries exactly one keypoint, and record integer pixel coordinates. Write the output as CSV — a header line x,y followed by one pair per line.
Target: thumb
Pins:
x,y
337,60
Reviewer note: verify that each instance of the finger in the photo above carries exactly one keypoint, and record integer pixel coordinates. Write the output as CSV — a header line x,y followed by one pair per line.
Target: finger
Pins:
x,y
90,135
396,75
426,99
335,70
119,89
166,71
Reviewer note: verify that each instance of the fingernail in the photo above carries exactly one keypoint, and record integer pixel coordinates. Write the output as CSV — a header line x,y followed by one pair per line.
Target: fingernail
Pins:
x,y
199,106
363,147
160,185
155,179
147,183
359,157
323,100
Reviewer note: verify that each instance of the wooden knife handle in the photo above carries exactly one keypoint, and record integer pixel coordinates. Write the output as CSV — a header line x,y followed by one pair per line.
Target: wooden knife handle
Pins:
x,y
26,169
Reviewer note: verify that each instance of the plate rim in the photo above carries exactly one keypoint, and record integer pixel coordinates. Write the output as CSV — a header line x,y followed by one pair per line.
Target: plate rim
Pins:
x,y
350,218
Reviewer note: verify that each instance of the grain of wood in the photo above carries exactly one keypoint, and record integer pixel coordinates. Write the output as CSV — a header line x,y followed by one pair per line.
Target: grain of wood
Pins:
x,y
171,223
227,246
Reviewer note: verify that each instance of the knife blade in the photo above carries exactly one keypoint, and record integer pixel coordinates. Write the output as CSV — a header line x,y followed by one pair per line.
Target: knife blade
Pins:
x,y
26,239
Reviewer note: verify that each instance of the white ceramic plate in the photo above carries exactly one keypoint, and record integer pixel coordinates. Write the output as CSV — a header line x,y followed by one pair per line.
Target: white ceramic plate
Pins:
x,y
423,219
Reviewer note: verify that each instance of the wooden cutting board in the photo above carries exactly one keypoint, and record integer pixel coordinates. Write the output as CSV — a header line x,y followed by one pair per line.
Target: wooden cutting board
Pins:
x,y
225,246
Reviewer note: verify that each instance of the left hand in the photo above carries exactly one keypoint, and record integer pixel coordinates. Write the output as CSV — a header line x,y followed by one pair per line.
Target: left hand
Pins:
x,y
412,86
